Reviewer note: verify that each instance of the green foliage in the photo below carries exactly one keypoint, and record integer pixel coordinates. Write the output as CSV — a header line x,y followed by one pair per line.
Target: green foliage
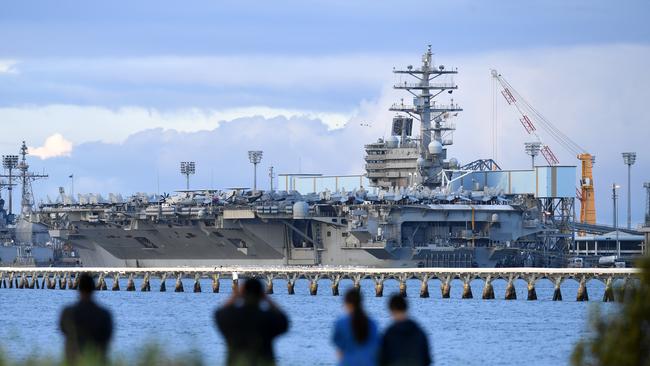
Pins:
x,y
623,338
151,355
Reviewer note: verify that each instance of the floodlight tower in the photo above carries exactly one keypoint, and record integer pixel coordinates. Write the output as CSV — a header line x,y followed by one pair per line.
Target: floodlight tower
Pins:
x,y
614,200
533,149
629,158
646,185
188,168
255,157
10,162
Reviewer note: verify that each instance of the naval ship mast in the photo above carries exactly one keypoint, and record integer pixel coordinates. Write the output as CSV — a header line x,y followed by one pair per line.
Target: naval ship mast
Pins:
x,y
402,161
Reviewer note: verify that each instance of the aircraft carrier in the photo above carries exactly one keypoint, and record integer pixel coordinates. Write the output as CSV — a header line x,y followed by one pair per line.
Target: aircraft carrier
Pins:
x,y
418,207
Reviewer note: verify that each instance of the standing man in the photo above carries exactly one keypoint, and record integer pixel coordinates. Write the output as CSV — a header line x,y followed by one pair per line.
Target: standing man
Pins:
x,y
87,327
404,343
249,322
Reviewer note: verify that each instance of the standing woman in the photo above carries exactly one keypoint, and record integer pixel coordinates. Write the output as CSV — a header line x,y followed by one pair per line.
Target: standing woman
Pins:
x,y
355,334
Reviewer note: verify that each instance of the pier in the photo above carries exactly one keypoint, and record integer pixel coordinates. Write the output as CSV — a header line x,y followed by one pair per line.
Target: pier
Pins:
x,y
66,278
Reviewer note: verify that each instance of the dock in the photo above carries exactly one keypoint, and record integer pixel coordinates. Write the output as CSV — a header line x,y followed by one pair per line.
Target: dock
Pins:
x,y
67,278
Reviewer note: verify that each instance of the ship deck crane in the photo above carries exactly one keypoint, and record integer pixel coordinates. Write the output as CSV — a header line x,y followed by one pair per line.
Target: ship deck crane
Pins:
x,y
530,120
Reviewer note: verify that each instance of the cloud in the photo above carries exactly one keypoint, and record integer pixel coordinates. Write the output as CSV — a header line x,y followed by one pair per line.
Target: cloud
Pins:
x,y
565,84
54,146
8,66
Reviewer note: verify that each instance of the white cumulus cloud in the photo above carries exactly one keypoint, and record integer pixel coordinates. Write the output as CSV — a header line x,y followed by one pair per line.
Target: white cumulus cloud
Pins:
x,y
8,66
55,145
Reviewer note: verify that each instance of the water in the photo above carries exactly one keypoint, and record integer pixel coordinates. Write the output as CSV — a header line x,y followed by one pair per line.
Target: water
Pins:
x,y
462,332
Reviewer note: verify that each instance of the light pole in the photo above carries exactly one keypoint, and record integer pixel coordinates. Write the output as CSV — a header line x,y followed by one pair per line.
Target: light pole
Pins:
x,y
532,149
10,162
614,199
188,168
255,157
271,176
629,158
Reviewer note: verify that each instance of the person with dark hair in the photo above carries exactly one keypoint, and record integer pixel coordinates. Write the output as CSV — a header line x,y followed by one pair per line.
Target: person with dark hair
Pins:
x,y
249,322
355,334
87,327
404,343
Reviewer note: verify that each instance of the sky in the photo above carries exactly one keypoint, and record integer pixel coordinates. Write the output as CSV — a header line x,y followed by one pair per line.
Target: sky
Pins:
x,y
118,93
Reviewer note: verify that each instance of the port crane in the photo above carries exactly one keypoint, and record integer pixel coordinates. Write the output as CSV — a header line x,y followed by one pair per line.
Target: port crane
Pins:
x,y
530,120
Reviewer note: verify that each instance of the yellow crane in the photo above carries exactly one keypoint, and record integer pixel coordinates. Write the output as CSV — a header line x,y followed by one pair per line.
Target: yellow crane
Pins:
x,y
530,120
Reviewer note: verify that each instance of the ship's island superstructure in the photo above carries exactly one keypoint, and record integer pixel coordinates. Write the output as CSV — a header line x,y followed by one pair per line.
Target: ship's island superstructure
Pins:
x,y
422,208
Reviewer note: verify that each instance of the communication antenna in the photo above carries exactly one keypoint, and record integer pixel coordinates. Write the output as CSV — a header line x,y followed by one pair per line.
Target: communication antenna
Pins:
x,y
255,157
188,168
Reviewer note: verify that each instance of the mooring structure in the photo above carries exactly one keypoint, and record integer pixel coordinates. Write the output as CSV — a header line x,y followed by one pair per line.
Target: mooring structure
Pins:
x,y
109,278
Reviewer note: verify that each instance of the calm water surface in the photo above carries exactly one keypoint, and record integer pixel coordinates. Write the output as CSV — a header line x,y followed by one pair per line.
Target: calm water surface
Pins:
x,y
462,332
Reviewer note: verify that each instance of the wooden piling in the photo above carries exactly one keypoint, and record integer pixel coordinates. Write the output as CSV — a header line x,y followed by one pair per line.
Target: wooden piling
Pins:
x,y
532,293
557,292
290,287
402,288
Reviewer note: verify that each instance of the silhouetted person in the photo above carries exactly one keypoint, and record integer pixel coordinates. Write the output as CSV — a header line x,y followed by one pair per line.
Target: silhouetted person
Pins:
x,y
87,327
249,322
403,343
355,334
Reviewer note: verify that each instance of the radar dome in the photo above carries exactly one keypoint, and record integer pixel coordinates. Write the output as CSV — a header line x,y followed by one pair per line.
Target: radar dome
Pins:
x,y
453,163
435,147
392,142
300,210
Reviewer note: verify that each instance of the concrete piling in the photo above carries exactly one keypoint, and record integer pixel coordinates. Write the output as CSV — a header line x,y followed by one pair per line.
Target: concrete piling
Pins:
x,y
216,284
70,283
582,290
75,283
356,282
146,286
402,288
313,286
32,281
130,283
532,293
557,292
608,296
235,285
21,284
445,287
269,285
11,280
511,292
116,282
488,289
424,287
379,286
335,284
197,283
163,282
179,283
101,283
467,288
291,283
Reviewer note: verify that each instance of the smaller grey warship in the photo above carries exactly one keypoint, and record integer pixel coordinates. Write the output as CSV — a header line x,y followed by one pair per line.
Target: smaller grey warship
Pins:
x,y
421,208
